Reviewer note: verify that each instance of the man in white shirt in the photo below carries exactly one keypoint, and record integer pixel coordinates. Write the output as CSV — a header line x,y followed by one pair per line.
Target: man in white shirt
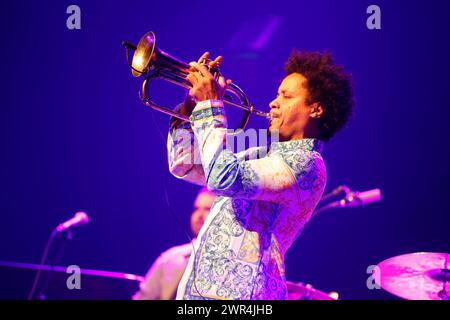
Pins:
x,y
162,279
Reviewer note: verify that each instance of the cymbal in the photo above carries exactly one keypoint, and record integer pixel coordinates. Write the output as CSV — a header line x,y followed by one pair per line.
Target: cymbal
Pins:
x,y
416,276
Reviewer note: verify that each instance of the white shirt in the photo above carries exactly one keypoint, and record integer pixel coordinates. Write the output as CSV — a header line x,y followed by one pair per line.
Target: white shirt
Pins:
x,y
162,279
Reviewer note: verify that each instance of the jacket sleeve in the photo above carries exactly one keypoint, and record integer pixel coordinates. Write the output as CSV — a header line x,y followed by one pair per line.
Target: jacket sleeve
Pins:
x,y
269,178
183,154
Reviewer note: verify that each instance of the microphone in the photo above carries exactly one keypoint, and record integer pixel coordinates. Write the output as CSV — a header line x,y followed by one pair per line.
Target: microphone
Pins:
x,y
80,219
358,199
352,199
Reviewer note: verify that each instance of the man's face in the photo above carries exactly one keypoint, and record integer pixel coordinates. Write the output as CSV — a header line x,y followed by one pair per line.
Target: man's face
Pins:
x,y
202,206
290,111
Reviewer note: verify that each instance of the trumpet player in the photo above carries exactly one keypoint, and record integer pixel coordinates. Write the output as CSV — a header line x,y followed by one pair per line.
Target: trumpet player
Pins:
x,y
262,204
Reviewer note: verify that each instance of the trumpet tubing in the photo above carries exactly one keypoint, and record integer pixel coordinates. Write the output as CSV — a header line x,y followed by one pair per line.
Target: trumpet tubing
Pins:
x,y
150,62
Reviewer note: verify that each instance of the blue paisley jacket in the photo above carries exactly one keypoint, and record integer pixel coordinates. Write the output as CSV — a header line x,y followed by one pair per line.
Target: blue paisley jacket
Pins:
x,y
262,206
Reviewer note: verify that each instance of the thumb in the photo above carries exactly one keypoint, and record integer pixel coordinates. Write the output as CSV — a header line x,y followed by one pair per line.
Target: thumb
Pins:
x,y
224,83
192,95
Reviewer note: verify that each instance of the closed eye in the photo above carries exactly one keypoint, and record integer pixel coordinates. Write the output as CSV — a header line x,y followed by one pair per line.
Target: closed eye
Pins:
x,y
286,96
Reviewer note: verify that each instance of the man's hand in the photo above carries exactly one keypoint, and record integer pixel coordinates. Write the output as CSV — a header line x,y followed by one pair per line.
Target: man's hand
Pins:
x,y
204,85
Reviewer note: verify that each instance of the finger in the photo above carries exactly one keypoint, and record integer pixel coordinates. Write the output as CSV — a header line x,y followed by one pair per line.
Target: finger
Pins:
x,y
191,68
204,57
197,75
214,67
203,70
191,77
216,62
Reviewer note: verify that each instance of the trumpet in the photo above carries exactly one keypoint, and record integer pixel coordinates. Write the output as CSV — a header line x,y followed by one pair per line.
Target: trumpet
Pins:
x,y
150,62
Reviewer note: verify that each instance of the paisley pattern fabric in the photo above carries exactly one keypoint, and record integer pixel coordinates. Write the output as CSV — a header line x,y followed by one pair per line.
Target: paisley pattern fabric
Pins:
x,y
262,207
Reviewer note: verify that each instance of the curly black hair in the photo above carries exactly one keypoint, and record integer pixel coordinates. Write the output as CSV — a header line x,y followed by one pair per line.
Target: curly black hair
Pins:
x,y
327,84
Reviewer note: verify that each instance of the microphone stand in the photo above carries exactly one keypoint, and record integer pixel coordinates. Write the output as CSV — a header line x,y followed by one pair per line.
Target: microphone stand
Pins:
x,y
335,192
53,235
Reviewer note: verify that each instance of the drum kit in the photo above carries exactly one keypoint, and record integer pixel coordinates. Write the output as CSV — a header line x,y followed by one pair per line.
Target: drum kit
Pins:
x,y
414,276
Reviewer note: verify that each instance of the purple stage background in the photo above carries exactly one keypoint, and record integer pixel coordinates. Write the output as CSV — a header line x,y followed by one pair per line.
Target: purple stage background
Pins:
x,y
75,136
